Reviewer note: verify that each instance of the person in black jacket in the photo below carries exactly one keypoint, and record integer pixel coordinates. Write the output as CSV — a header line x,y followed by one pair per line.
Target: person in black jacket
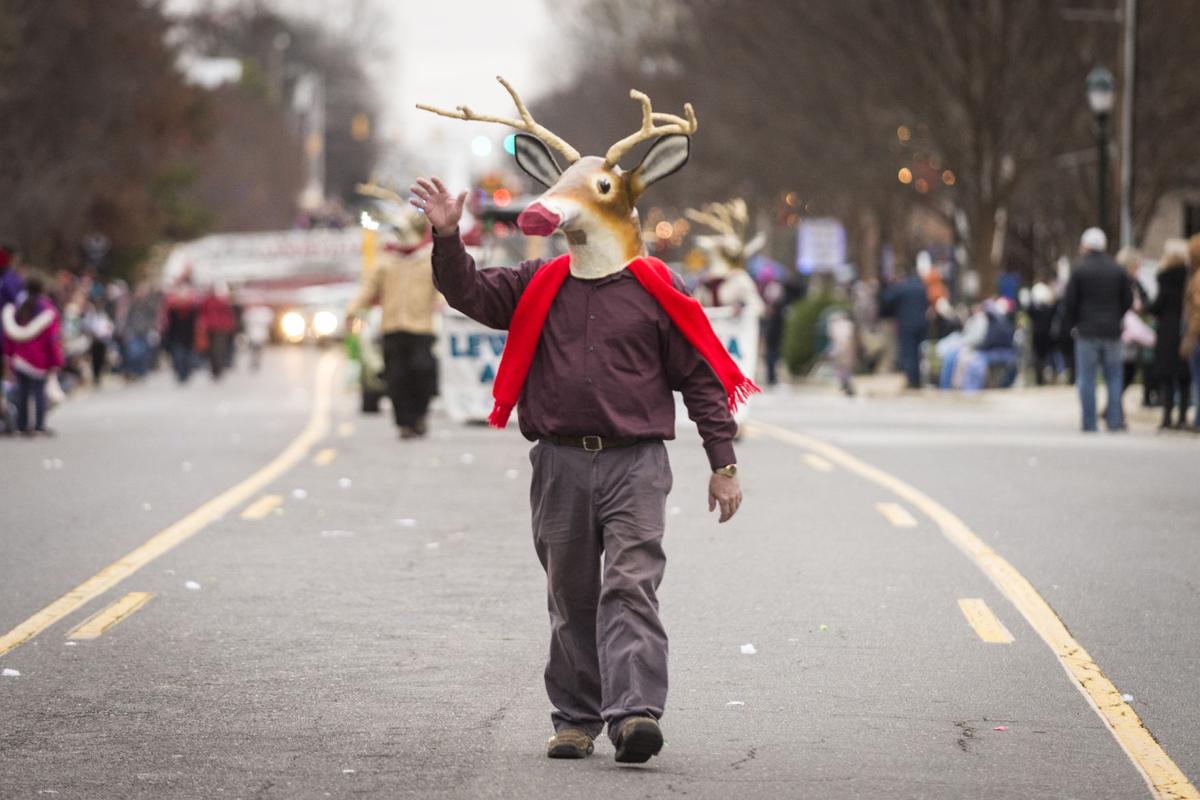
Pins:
x,y
1096,298
906,301
1169,367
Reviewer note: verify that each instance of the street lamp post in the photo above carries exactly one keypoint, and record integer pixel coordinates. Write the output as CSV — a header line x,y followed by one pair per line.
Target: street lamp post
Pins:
x,y
1101,91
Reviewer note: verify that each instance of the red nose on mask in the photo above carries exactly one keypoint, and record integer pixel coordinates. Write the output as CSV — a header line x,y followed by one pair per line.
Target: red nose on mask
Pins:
x,y
537,220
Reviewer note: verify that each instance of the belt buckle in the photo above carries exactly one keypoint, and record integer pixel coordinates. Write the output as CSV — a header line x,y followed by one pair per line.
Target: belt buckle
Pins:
x,y
599,444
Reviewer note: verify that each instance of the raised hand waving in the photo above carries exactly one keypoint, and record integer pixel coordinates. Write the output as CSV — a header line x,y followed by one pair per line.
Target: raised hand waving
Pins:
x,y
443,209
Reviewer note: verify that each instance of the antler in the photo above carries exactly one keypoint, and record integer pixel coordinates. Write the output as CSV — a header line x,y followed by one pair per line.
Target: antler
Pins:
x,y
727,218
373,189
649,130
526,123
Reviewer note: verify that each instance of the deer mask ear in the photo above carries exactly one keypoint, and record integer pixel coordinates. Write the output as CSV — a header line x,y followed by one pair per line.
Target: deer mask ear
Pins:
x,y
535,158
665,157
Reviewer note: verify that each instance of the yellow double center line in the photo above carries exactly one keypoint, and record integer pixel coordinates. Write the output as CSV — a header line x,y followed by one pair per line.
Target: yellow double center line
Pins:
x,y
193,523
1164,778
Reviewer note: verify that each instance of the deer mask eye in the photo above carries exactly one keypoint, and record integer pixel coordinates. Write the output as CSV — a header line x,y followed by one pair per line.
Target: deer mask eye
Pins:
x,y
603,186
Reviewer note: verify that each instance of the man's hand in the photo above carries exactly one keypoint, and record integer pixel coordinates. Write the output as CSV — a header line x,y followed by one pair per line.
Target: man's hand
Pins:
x,y
443,209
725,492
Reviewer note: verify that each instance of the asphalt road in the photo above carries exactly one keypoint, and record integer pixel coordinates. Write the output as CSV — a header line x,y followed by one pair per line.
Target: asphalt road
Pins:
x,y
379,629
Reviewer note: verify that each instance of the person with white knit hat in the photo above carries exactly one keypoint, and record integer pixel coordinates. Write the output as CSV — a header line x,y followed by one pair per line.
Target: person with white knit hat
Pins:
x,y
1097,296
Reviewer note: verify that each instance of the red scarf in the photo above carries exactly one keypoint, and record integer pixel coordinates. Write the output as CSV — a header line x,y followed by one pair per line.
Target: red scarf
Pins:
x,y
655,277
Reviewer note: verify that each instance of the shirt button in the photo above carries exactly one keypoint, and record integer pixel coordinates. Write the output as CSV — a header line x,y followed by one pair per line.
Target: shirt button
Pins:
x,y
591,348
591,316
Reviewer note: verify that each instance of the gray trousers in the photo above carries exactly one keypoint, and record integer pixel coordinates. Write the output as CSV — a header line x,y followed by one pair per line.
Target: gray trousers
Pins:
x,y
598,521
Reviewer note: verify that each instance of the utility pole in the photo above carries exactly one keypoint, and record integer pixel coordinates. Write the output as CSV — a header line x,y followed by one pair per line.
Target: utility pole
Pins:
x,y
1131,20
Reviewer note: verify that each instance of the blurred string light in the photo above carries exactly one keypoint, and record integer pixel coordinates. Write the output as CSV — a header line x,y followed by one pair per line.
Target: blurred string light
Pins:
x,y
664,230
903,133
948,178
502,197
368,222
922,185
904,175
510,144
481,146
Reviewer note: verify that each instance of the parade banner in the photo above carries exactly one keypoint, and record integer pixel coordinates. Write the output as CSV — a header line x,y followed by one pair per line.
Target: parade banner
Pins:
x,y
739,333
469,354
236,258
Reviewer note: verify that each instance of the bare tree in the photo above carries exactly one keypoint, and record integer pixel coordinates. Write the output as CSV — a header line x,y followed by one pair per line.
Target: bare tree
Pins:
x,y
96,116
869,109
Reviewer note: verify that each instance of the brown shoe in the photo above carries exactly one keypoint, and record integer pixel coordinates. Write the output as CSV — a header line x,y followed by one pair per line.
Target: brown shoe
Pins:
x,y
640,738
569,743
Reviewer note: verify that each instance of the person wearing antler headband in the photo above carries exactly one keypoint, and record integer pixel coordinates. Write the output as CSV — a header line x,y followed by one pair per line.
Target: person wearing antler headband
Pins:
x,y
402,285
597,341
726,281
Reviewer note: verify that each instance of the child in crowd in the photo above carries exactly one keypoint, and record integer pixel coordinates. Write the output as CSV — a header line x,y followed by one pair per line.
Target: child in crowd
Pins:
x,y
32,350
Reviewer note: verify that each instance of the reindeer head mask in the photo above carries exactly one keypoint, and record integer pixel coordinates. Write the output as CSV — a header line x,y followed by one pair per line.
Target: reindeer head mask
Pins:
x,y
592,200
409,227
728,248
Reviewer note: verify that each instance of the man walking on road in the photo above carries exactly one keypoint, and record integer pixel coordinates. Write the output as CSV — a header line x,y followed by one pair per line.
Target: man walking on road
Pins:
x,y
402,284
1097,296
597,341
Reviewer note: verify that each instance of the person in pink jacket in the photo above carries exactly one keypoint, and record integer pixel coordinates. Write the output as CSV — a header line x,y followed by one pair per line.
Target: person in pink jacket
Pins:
x,y
32,351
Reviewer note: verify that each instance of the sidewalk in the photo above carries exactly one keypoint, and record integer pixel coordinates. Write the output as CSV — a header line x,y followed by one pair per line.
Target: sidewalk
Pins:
x,y
1055,399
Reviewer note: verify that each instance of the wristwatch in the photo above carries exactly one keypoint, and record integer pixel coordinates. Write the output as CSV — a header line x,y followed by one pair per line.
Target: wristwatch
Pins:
x,y
729,471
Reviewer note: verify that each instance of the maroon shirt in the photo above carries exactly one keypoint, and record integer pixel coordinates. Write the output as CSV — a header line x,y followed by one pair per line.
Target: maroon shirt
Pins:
x,y
608,359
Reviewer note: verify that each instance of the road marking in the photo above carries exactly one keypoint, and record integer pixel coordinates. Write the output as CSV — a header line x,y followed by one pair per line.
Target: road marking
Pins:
x,y
897,515
179,532
101,621
325,457
345,430
986,624
1162,775
817,463
261,507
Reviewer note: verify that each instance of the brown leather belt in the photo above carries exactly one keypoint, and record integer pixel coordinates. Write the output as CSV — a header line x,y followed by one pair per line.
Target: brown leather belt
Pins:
x,y
592,444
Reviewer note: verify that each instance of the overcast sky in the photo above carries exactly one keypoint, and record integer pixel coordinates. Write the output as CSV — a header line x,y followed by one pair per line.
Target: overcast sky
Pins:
x,y
448,53
443,52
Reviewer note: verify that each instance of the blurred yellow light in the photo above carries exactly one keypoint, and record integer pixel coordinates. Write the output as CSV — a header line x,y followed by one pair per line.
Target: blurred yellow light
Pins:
x,y
664,230
292,326
903,133
501,197
948,178
790,198
922,185
360,127
314,143
904,175
324,323
682,227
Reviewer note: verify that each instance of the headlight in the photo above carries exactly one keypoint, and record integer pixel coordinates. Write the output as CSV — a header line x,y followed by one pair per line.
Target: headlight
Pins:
x,y
324,323
292,325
